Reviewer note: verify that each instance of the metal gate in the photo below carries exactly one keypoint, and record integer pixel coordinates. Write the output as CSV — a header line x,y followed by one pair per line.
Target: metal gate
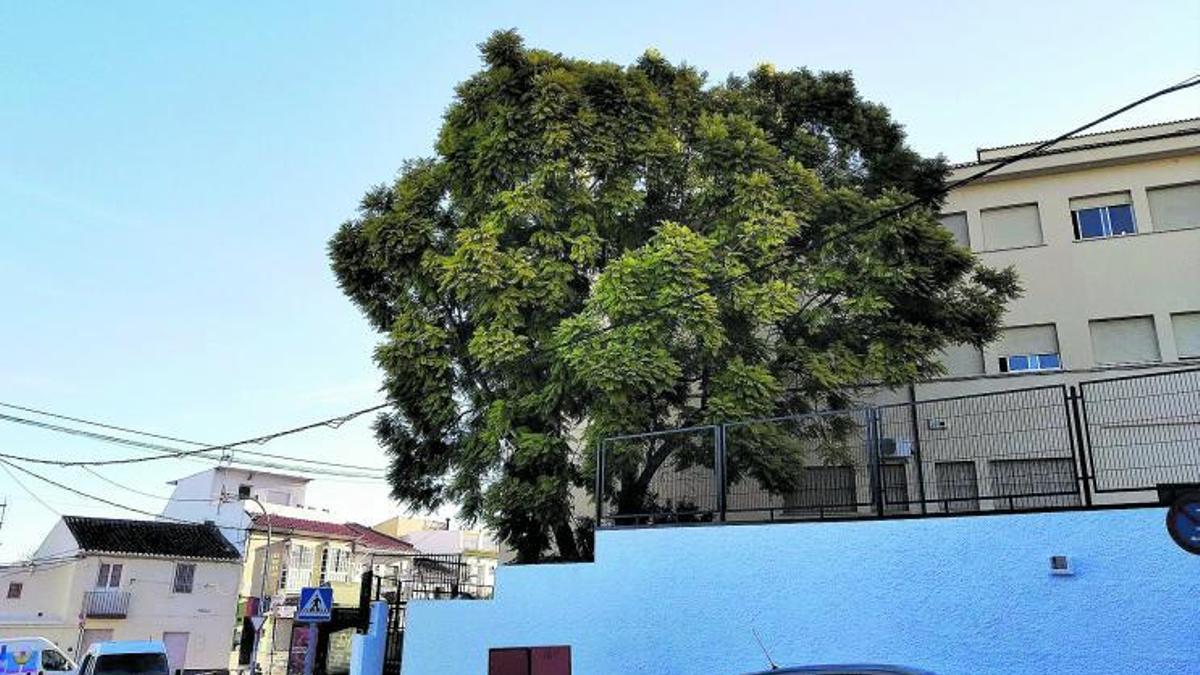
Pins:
x,y
1142,431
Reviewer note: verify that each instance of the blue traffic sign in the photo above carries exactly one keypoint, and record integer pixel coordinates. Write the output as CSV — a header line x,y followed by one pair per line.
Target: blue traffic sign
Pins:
x,y
316,604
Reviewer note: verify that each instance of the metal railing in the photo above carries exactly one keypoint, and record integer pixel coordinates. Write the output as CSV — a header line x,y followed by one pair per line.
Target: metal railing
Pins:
x,y
106,604
1047,447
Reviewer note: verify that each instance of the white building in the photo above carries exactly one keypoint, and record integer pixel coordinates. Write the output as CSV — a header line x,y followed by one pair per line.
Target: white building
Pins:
x,y
97,579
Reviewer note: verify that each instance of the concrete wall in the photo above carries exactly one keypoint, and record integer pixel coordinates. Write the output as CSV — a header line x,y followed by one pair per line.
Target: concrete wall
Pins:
x,y
969,595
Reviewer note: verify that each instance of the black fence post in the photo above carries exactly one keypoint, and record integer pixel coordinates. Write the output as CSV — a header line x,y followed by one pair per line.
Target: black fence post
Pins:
x,y
600,484
719,468
1079,442
873,460
916,433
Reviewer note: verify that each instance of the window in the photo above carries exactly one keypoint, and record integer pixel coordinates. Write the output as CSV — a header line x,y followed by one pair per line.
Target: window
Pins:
x,y
243,491
335,565
1028,348
1131,340
961,360
185,576
297,573
957,486
279,497
1187,334
529,661
1175,207
14,590
53,660
1034,483
131,664
895,487
956,223
109,576
823,488
1102,216
1011,227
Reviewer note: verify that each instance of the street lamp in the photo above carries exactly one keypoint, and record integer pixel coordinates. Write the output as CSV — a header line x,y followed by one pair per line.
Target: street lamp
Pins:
x,y
262,588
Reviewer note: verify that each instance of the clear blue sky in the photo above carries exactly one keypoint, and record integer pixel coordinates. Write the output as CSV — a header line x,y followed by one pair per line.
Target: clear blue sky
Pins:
x,y
170,173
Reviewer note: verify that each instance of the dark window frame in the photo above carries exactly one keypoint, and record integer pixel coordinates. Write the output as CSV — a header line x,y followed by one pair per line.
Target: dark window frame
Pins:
x,y
15,588
188,578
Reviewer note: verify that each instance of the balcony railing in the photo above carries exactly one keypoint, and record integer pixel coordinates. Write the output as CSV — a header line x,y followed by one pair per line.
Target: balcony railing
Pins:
x,y
106,604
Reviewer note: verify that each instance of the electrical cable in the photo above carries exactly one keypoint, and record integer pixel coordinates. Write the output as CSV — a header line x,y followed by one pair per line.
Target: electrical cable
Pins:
x,y
167,452
29,492
185,441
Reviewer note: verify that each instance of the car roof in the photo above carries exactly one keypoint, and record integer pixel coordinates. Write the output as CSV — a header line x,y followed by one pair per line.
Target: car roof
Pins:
x,y
31,638
127,647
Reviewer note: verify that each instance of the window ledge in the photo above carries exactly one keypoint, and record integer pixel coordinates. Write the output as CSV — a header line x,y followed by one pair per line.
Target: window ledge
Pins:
x,y
1012,248
1134,235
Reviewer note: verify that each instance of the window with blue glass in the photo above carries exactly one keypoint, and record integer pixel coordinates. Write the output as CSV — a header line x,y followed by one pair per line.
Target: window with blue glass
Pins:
x,y
1016,363
1103,216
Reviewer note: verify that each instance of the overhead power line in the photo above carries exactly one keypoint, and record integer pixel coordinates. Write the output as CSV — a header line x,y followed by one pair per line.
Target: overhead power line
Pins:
x,y
790,253
33,495
335,423
8,464
168,452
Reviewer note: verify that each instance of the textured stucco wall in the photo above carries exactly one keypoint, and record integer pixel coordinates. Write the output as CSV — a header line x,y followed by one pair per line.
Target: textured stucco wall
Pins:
x,y
954,595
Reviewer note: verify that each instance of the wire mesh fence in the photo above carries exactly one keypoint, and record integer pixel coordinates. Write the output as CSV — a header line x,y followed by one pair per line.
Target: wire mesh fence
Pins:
x,y
1035,448
1143,431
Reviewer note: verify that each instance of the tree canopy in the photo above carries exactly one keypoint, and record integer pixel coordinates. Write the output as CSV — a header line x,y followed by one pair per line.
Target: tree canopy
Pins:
x,y
584,253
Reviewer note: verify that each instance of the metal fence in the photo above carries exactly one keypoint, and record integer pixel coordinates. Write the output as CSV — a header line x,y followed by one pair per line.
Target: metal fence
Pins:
x,y
1034,448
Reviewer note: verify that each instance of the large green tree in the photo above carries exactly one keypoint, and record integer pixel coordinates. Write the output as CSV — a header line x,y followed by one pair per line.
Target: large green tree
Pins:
x,y
597,249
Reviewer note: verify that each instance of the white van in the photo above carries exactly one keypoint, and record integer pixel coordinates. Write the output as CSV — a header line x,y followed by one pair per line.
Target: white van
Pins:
x,y
32,656
125,657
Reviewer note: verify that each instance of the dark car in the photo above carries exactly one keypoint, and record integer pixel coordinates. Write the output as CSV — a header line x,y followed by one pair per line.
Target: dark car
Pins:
x,y
848,669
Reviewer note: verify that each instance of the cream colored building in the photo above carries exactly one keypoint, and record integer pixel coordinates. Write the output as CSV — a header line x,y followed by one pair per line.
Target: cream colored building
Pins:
x,y
479,551
1104,231
96,579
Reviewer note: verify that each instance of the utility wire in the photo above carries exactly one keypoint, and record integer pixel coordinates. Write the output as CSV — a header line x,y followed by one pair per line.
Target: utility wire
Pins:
x,y
135,491
654,311
185,441
167,452
93,497
29,492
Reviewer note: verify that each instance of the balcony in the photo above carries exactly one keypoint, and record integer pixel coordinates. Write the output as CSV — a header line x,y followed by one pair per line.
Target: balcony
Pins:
x,y
109,604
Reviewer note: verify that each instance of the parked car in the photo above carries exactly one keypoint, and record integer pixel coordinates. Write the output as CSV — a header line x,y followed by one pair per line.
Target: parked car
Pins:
x,y
32,655
849,669
126,657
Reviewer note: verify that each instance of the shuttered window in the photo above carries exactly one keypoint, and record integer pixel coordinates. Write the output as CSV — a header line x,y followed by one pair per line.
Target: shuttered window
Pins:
x,y
1128,340
1029,348
1099,216
1187,334
962,360
956,223
1034,483
1011,227
895,487
824,488
1175,207
185,577
957,486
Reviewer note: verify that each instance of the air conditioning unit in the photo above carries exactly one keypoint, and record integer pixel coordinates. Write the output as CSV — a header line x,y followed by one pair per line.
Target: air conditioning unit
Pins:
x,y
895,447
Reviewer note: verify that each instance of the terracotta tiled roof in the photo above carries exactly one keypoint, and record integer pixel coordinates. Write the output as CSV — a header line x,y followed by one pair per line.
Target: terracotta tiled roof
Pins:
x,y
150,537
360,534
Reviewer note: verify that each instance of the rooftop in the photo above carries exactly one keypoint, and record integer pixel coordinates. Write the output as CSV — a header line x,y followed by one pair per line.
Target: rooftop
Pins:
x,y
360,534
150,537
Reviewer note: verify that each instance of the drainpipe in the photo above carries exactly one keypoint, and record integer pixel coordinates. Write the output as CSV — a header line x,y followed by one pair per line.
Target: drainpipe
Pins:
x,y
262,587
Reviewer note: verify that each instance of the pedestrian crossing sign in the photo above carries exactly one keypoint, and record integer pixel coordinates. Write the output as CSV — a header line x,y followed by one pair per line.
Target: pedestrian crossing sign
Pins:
x,y
316,604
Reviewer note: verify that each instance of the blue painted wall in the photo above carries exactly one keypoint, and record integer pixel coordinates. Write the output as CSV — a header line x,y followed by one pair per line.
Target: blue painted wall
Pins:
x,y
968,595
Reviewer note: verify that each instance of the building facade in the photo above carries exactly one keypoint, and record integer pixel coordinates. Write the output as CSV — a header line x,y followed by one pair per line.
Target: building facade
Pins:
x,y
1104,232
97,579
478,550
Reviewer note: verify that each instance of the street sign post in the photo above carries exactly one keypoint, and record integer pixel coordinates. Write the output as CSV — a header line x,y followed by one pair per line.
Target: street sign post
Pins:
x,y
315,606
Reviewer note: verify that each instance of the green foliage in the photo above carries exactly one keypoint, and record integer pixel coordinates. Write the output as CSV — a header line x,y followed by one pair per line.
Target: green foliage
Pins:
x,y
618,212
